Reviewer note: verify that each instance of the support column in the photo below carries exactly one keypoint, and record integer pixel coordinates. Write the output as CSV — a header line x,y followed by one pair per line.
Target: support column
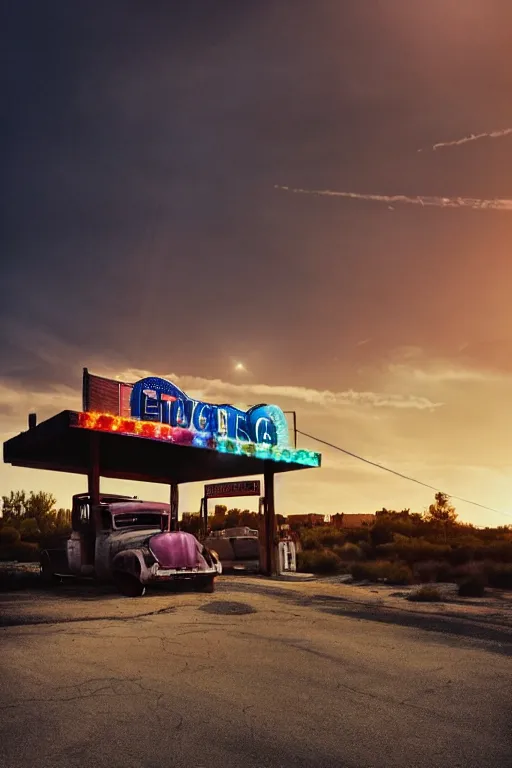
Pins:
x,y
270,521
88,546
204,521
93,477
174,506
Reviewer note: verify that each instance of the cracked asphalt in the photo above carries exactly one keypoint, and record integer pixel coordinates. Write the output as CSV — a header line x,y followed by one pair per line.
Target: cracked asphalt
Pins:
x,y
259,675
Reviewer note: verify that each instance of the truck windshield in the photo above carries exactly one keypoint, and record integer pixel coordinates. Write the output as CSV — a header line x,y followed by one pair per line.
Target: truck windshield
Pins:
x,y
137,520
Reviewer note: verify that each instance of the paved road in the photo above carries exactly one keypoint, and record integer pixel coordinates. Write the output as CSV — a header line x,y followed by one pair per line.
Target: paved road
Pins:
x,y
256,676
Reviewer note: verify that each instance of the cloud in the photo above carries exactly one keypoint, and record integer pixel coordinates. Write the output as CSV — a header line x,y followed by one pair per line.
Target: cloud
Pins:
x,y
18,399
426,201
222,391
446,373
472,137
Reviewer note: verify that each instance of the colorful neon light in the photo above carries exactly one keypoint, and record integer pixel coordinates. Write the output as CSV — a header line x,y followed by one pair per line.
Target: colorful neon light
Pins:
x,y
104,422
155,399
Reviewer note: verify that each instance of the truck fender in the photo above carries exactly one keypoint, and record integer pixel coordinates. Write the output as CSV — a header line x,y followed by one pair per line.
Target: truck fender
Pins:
x,y
129,561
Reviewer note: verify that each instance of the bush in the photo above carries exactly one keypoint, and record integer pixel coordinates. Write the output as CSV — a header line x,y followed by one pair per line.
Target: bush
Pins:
x,y
418,549
29,529
381,533
359,536
425,595
9,536
391,573
23,552
499,575
319,538
349,552
318,561
473,586
432,570
461,555
468,571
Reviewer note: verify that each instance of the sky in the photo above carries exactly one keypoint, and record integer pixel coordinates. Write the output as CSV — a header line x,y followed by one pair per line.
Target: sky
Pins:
x,y
162,163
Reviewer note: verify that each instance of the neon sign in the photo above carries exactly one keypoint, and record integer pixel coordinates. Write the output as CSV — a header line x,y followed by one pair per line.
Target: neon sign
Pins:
x,y
154,399
158,410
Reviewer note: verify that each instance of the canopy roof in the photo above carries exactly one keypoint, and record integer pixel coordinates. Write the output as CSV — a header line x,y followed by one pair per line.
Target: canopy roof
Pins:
x,y
66,443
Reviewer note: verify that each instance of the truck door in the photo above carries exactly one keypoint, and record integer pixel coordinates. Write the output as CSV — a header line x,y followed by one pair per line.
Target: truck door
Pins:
x,y
81,541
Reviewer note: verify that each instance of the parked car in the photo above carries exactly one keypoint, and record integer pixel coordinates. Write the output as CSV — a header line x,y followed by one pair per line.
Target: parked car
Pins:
x,y
238,549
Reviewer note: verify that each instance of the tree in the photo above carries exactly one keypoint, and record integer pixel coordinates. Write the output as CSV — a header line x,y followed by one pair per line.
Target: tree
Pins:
x,y
29,529
14,505
41,506
9,536
233,518
441,512
63,519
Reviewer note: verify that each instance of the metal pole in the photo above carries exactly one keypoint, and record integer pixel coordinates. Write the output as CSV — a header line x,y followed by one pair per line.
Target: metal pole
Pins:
x,y
294,415
270,521
205,516
174,506
93,476
85,390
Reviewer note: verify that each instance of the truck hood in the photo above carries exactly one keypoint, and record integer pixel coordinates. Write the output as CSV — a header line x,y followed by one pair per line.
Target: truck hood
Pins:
x,y
175,549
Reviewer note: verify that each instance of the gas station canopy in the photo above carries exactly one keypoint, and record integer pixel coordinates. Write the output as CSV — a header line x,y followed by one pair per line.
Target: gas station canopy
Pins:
x,y
65,443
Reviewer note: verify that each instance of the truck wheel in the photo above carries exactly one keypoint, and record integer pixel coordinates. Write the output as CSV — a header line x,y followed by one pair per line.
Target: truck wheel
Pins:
x,y
206,585
129,585
46,571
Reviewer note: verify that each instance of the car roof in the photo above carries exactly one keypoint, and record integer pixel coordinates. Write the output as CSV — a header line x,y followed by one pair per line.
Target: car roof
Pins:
x,y
139,507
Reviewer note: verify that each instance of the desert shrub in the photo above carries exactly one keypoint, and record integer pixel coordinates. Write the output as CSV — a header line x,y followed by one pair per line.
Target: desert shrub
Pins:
x,y
9,536
29,529
468,571
499,575
348,552
23,552
359,536
501,551
429,571
426,594
386,551
473,586
381,570
364,546
321,537
418,549
460,555
381,533
318,561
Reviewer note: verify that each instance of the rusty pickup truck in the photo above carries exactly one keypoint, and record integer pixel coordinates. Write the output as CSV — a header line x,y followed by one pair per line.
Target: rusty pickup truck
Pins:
x,y
129,542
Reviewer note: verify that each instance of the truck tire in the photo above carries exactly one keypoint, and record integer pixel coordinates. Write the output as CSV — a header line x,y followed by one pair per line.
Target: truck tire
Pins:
x,y
48,576
128,584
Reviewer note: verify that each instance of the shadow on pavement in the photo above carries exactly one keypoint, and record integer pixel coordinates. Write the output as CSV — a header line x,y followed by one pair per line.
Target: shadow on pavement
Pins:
x,y
447,626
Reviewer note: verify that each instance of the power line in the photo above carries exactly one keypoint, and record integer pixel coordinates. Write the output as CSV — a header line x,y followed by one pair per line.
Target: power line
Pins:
x,y
399,474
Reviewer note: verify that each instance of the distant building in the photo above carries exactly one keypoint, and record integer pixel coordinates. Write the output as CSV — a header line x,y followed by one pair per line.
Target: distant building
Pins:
x,y
311,519
343,520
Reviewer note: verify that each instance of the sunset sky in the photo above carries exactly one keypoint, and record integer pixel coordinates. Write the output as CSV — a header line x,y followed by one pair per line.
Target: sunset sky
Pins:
x,y
146,229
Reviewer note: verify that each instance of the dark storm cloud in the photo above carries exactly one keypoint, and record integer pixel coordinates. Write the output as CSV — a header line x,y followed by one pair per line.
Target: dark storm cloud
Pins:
x,y
142,145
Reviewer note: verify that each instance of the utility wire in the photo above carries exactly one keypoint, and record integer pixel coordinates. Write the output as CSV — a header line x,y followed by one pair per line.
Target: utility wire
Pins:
x,y
399,474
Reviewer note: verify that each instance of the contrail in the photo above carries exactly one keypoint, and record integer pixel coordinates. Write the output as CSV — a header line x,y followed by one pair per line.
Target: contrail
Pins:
x,y
472,137
474,203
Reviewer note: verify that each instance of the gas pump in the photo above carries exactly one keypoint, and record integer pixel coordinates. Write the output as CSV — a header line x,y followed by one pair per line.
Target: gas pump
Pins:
x,y
287,551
